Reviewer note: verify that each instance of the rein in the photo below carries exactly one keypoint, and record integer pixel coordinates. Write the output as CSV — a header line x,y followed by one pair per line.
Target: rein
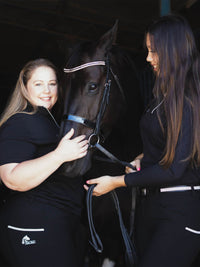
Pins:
x,y
94,139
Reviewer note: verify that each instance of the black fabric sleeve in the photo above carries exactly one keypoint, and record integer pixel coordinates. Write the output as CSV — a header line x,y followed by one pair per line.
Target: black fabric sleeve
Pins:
x,y
15,144
156,175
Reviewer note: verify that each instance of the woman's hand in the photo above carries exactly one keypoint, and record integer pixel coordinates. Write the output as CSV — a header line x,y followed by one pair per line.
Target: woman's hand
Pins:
x,y
105,184
136,163
71,149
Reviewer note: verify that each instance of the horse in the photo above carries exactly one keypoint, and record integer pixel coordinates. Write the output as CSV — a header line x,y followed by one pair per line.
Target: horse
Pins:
x,y
103,101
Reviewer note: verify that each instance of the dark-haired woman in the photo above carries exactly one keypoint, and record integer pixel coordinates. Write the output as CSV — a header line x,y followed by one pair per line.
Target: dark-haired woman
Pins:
x,y
41,210
168,208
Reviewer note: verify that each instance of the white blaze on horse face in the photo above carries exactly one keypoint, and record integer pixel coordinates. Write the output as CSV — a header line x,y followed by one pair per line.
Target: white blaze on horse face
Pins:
x,y
42,87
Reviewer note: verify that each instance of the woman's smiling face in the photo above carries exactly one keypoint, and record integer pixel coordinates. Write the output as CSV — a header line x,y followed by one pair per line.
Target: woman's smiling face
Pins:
x,y
42,87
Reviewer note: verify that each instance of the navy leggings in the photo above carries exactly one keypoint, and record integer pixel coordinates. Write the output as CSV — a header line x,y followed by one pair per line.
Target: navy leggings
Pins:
x,y
168,229
36,234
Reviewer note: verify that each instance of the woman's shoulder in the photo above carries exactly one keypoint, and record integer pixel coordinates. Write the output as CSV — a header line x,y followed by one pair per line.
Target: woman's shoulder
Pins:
x,y
20,116
26,118
19,119
15,125
29,125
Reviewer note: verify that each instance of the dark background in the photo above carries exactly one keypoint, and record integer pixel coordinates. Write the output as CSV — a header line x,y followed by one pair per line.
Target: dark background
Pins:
x,y
50,28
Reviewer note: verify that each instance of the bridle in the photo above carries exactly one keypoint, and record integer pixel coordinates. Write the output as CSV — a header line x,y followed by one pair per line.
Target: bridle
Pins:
x,y
94,138
94,141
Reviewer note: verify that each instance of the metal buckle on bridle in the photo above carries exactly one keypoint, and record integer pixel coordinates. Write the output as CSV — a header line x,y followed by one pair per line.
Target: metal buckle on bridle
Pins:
x,y
93,140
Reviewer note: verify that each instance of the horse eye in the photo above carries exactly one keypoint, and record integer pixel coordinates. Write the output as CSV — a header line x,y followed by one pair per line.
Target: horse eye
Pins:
x,y
92,88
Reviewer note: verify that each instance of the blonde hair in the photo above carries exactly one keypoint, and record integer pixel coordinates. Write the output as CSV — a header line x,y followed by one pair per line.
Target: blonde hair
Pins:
x,y
20,98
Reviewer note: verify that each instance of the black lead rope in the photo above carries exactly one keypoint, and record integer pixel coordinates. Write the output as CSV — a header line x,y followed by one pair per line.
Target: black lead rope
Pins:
x,y
96,241
131,256
130,249
112,157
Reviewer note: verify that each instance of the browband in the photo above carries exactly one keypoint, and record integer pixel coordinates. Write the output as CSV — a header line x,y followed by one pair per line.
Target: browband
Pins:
x,y
83,66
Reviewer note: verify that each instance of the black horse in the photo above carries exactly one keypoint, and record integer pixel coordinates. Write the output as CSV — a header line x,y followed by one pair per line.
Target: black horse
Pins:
x,y
103,102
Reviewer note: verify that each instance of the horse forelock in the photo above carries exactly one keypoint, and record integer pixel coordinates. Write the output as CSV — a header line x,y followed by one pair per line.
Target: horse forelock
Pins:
x,y
83,53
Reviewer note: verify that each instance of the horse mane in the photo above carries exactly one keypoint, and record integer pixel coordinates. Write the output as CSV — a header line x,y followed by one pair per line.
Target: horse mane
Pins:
x,y
127,129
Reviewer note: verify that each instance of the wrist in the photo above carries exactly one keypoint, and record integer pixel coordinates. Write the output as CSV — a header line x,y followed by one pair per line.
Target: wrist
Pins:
x,y
119,181
56,157
139,157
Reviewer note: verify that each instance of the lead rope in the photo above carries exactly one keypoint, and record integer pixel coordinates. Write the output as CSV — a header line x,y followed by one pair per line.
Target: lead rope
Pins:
x,y
130,256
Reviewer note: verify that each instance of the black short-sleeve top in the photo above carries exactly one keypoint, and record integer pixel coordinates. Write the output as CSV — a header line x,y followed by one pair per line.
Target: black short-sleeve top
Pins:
x,y
28,136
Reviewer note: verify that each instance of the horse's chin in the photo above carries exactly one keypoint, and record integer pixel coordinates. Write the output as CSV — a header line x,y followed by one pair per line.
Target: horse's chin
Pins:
x,y
76,168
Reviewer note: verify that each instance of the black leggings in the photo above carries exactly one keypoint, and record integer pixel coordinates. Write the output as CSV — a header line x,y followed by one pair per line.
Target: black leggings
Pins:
x,y
35,234
168,229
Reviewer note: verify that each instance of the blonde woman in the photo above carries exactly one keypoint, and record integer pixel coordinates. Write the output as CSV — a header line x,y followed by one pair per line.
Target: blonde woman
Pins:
x,y
41,208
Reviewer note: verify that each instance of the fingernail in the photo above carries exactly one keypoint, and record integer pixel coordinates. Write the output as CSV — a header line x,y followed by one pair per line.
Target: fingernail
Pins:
x,y
87,181
138,169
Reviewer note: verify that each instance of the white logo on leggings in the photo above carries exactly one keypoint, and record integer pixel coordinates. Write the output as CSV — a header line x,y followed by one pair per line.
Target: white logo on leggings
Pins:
x,y
27,241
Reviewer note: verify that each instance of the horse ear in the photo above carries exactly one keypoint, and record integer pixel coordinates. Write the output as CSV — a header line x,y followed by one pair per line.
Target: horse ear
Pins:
x,y
109,38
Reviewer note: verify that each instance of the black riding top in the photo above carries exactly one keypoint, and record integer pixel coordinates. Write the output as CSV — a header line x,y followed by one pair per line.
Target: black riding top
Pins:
x,y
152,174
29,136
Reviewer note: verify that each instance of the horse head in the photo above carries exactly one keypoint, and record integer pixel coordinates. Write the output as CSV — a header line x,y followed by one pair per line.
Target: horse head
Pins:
x,y
94,97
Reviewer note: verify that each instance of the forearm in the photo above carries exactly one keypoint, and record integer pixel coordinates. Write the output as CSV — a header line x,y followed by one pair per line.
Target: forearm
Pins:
x,y
29,174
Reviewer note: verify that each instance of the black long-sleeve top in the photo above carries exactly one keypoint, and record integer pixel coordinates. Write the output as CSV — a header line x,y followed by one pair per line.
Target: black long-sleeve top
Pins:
x,y
154,175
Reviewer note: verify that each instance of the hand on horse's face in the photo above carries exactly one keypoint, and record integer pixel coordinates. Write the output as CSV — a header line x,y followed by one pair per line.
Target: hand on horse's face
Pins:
x,y
71,149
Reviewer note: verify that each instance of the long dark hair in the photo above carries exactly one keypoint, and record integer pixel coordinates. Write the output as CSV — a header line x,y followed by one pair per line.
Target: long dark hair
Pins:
x,y
177,80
